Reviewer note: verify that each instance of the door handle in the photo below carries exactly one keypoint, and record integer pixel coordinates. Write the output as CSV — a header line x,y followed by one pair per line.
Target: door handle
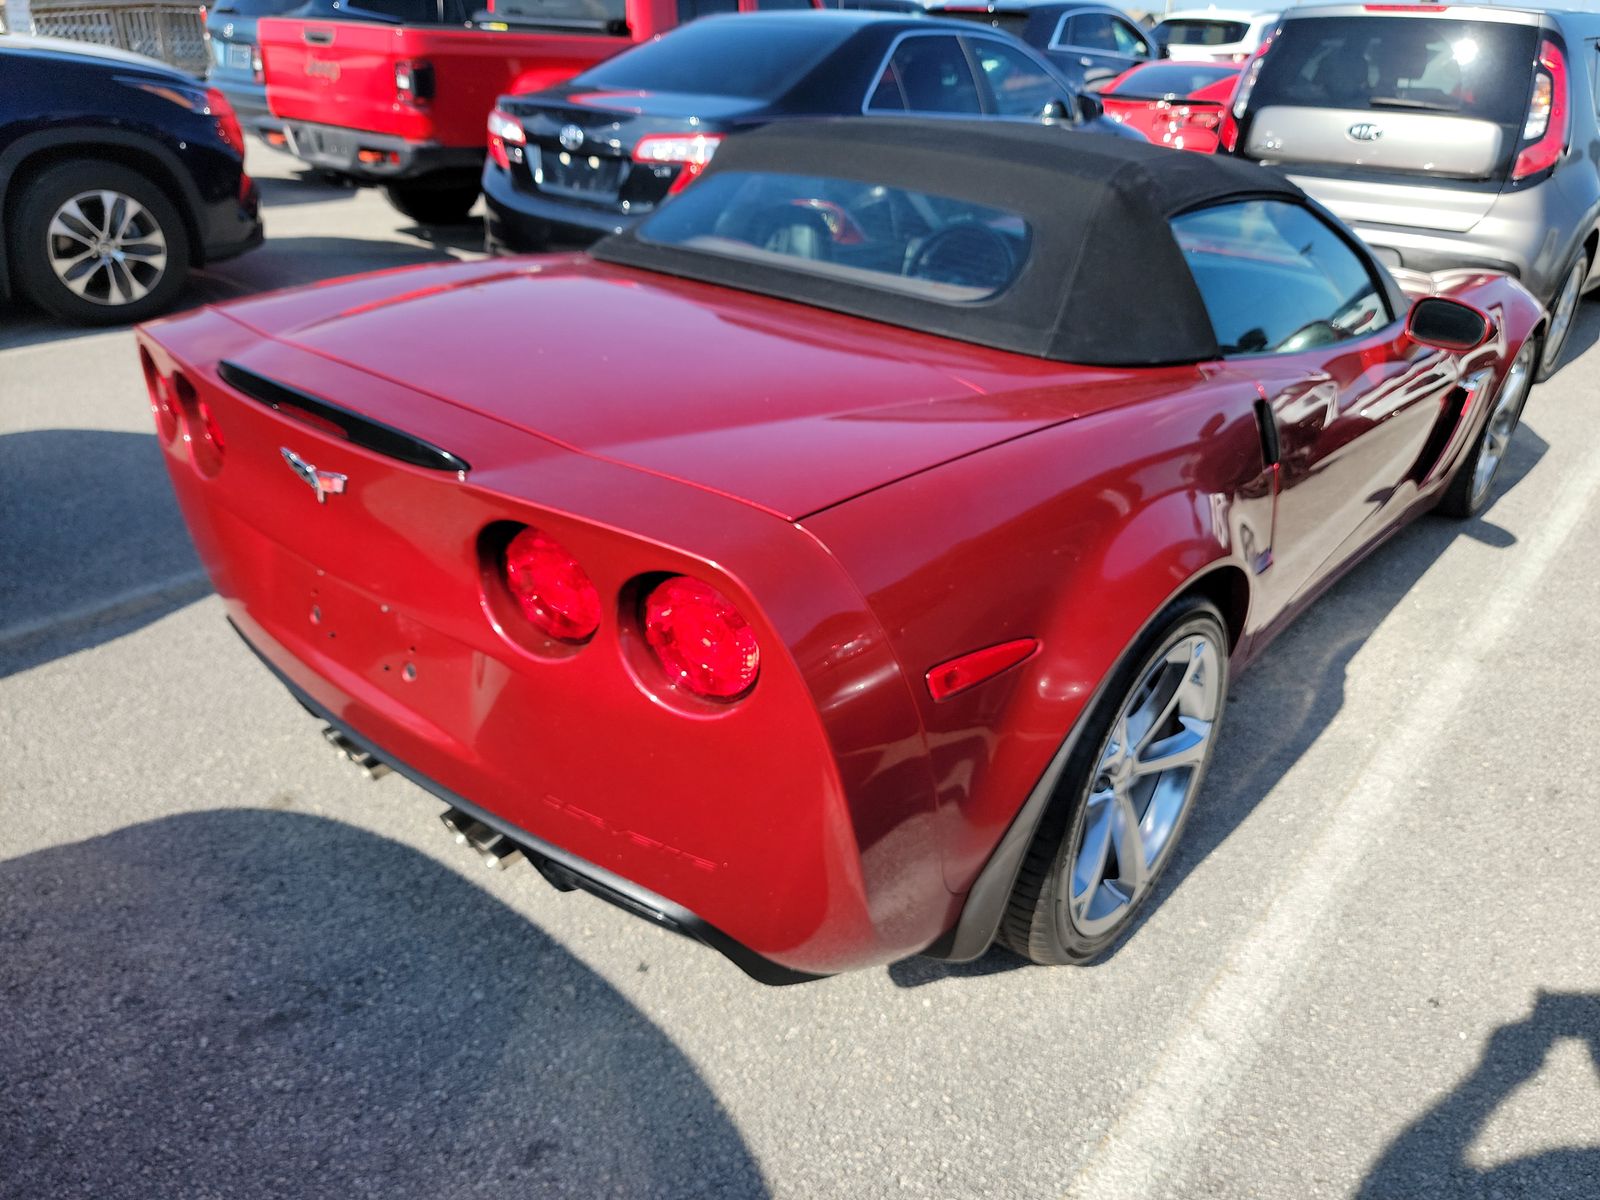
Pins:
x,y
317,37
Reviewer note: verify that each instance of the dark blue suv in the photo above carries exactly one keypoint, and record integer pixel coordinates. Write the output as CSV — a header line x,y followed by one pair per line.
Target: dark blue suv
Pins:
x,y
117,174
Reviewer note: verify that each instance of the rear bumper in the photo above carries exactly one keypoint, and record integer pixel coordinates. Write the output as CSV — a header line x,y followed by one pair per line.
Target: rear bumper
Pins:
x,y
597,881
519,223
376,157
233,226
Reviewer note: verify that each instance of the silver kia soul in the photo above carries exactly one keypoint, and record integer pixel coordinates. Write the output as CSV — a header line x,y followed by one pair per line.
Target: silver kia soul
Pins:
x,y
1446,136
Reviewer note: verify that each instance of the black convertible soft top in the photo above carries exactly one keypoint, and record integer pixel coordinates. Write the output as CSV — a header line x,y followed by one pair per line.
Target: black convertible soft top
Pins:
x,y
1104,283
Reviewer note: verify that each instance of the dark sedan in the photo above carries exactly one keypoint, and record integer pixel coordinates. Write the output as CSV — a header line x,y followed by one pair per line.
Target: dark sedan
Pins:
x,y
1089,44
117,174
593,155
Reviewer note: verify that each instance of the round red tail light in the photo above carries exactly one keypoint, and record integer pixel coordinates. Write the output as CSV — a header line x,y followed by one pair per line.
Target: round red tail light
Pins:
x,y
702,640
553,591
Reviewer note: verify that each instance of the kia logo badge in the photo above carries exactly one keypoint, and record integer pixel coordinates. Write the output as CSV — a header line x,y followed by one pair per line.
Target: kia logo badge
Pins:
x,y
570,137
1365,131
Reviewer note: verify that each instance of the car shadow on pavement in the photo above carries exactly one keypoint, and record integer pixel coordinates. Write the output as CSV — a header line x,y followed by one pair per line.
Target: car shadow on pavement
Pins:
x,y
104,549
304,187
1432,1156
259,1003
1279,708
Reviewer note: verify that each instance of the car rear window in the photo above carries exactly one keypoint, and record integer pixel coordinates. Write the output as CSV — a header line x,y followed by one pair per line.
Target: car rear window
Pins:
x,y
1480,69
1186,32
1006,22
888,238
600,14
723,56
1161,80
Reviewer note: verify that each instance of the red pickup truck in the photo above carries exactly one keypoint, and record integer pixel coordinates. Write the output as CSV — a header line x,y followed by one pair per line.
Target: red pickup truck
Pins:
x,y
398,92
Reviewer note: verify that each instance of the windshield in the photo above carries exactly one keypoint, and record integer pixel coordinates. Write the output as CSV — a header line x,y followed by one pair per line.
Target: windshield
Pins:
x,y
888,238
1478,69
1162,81
599,13
753,59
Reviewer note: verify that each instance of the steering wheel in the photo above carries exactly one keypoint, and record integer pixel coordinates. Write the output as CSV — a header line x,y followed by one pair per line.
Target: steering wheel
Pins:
x,y
965,254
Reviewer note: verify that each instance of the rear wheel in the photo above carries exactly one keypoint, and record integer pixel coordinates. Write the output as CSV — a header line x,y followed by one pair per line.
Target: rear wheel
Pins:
x,y
445,203
1563,312
98,243
1125,793
1474,478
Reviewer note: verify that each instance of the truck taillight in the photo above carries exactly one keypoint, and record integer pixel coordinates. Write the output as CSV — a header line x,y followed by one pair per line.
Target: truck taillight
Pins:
x,y
702,641
504,131
1547,120
413,81
551,588
690,151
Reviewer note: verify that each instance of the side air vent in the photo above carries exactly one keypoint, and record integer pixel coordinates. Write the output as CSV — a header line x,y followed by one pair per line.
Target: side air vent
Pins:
x,y
358,430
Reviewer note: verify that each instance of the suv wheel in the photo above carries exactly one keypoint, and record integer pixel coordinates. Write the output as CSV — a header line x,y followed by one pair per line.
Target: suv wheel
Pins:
x,y
99,244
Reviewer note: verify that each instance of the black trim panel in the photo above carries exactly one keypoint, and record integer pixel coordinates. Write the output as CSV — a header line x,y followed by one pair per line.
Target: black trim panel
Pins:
x,y
362,431
597,881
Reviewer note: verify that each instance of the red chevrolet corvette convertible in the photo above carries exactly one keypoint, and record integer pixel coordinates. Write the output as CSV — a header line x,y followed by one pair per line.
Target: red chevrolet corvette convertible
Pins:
x,y
848,561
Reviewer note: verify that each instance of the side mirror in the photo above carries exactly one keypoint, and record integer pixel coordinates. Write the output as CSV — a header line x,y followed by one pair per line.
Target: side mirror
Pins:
x,y
1447,324
1089,107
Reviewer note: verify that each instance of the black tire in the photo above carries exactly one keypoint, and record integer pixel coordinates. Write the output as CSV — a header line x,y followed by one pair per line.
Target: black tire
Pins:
x,y
1470,490
434,203
1037,923
1556,341
114,291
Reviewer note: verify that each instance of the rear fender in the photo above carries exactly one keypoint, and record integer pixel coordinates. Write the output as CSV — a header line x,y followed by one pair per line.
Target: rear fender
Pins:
x,y
1041,538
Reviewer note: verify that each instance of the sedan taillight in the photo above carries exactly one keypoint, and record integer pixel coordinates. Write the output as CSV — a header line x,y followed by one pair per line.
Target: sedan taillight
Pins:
x,y
505,131
690,151
702,641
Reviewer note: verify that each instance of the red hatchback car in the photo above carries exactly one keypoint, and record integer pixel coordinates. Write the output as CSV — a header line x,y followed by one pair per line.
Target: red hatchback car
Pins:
x,y
880,595
1176,104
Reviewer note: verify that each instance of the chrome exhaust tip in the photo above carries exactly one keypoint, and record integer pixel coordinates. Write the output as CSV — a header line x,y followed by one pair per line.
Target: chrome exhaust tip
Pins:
x,y
497,851
371,765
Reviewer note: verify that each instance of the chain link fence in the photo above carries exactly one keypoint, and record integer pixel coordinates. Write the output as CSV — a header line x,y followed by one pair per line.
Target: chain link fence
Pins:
x,y
174,33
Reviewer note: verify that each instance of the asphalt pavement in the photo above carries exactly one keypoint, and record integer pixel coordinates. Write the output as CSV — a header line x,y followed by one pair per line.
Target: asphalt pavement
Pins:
x,y
232,966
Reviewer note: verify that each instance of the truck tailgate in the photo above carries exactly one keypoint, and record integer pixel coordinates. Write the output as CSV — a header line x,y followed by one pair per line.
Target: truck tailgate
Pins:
x,y
343,73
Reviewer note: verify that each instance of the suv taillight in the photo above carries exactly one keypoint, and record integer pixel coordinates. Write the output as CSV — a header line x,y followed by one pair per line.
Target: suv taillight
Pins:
x,y
413,81
504,131
1547,120
691,151
227,120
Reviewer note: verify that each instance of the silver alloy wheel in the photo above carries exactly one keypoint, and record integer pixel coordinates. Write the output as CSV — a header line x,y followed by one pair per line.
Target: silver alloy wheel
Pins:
x,y
1147,775
1566,306
106,247
1502,423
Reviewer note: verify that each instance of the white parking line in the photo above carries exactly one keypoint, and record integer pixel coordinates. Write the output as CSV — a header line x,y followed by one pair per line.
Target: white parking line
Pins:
x,y
1204,1061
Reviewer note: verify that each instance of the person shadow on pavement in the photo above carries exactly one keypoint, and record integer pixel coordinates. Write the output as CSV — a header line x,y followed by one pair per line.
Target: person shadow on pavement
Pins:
x,y
1430,1158
258,1003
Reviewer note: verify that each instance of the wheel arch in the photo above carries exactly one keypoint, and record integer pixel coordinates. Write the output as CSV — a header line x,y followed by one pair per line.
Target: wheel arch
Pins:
x,y
1224,584
39,151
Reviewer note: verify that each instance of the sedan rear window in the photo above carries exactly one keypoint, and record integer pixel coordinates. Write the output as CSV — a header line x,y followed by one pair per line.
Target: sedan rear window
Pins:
x,y
1480,69
887,238
723,56
1163,81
